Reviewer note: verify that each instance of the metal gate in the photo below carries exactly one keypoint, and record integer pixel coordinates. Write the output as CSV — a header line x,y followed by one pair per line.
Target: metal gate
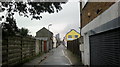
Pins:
x,y
105,48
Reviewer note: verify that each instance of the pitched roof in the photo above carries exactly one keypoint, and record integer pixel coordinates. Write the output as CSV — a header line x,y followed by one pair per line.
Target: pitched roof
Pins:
x,y
71,30
45,29
44,33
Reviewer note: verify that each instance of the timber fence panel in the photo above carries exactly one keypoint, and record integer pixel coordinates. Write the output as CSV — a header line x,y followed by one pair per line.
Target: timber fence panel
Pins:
x,y
17,49
14,50
73,46
4,51
28,48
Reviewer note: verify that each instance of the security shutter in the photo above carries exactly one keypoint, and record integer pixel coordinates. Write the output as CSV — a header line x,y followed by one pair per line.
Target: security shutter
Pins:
x,y
105,48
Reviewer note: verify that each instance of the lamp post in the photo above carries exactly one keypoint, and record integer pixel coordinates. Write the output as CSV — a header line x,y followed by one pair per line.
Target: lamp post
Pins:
x,y
48,36
49,26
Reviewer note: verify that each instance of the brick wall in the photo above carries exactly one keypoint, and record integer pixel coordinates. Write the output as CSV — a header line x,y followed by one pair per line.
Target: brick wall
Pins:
x,y
92,10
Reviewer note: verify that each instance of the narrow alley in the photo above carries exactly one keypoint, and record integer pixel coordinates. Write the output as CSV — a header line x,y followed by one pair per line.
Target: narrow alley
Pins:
x,y
60,33
59,56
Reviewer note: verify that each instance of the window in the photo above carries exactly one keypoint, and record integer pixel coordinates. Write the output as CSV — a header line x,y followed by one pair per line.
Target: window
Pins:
x,y
76,36
69,36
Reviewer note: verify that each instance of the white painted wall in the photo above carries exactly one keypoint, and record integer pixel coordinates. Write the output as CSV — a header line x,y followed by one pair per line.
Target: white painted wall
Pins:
x,y
105,17
86,54
42,46
54,44
48,45
37,47
65,43
81,47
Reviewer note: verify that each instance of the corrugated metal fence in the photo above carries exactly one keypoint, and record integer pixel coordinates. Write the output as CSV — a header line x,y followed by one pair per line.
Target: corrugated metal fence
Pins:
x,y
73,46
17,49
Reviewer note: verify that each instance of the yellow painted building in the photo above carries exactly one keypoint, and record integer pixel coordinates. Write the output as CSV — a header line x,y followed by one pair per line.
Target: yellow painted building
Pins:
x,y
72,35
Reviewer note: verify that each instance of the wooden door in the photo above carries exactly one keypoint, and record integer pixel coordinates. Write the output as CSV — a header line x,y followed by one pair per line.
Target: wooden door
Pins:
x,y
45,46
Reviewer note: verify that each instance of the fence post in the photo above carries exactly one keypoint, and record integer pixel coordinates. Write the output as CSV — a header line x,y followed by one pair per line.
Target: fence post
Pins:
x,y
7,50
21,47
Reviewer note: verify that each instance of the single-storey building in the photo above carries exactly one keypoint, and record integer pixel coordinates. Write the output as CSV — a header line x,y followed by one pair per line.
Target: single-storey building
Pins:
x,y
44,40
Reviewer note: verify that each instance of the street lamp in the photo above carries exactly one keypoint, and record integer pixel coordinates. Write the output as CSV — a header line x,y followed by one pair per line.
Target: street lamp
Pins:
x,y
49,36
49,25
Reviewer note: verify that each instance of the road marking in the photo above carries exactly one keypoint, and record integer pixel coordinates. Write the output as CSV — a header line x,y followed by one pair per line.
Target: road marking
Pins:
x,y
66,57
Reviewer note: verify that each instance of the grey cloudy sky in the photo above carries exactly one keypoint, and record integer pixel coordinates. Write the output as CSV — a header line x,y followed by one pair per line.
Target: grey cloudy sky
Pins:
x,y
62,22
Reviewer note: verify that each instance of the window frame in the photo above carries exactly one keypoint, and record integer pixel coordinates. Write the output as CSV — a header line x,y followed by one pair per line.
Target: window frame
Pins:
x,y
75,36
69,36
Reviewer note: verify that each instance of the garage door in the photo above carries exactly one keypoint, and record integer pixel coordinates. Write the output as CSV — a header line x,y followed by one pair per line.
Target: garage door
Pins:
x,y
105,48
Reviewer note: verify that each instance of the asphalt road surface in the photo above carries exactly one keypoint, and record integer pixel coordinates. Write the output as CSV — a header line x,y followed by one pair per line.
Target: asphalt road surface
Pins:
x,y
57,57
